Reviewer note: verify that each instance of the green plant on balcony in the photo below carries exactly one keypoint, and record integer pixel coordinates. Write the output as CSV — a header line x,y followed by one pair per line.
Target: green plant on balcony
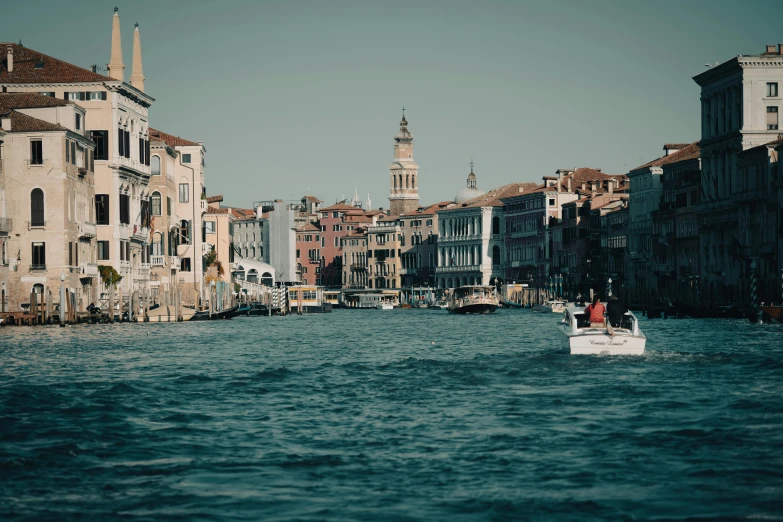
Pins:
x,y
109,275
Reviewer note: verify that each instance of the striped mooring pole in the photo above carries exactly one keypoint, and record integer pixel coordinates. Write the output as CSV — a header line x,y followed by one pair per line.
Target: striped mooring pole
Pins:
x,y
754,291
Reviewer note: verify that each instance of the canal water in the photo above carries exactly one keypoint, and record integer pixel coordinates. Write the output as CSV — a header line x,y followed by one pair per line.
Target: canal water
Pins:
x,y
357,415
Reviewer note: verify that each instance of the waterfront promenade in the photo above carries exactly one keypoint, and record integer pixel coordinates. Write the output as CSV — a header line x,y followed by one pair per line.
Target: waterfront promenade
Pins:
x,y
337,417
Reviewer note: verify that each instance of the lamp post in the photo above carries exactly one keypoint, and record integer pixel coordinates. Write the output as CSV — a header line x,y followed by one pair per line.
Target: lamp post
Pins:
x,y
62,299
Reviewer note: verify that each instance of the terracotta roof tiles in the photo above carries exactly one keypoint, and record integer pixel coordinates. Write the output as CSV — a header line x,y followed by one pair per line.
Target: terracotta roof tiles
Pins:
x,y
31,66
171,140
29,100
24,123
689,152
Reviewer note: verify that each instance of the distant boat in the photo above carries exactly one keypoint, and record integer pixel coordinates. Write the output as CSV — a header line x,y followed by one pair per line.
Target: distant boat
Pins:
x,y
473,299
204,315
581,338
557,306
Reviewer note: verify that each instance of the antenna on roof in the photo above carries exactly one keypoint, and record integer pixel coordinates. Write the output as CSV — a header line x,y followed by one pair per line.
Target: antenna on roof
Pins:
x,y
20,43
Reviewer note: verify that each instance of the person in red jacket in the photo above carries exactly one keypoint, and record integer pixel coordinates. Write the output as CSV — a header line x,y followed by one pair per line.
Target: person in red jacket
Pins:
x,y
596,313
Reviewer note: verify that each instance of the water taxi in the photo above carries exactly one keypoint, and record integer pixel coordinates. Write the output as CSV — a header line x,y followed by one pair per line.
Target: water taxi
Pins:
x,y
473,299
581,338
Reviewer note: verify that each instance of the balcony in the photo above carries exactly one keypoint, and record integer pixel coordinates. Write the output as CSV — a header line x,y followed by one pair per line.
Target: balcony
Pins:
x,y
6,225
88,270
452,269
140,234
87,230
451,239
157,261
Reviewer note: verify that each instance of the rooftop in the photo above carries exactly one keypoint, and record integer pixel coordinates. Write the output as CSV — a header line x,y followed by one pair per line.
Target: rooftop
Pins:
x,y
690,151
31,66
171,140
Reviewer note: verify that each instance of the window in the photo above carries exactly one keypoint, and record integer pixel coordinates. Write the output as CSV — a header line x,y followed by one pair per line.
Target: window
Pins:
x,y
39,256
127,144
73,152
156,202
96,95
184,193
125,209
75,96
184,232
36,152
67,151
168,207
70,254
209,227
37,208
47,93
186,158
103,250
101,140
185,265
121,141
155,166
772,90
772,118
102,209
142,151
78,121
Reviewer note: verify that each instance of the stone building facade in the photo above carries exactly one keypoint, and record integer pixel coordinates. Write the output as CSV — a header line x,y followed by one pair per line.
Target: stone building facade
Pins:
x,y
740,109
47,189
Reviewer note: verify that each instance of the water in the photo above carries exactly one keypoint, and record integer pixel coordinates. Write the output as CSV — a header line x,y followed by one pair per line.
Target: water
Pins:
x,y
355,415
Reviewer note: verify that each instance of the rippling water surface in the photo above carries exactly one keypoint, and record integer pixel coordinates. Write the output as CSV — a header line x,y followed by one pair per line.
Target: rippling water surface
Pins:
x,y
356,415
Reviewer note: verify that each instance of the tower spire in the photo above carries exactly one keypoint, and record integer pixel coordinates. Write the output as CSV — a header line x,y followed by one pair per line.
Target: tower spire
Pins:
x,y
116,65
137,72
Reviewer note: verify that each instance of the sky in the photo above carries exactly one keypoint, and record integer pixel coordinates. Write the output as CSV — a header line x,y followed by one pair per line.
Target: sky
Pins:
x,y
293,98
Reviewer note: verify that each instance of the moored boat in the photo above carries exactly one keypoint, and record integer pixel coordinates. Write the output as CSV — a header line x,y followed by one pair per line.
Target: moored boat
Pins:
x,y
557,306
204,315
581,338
473,299
773,312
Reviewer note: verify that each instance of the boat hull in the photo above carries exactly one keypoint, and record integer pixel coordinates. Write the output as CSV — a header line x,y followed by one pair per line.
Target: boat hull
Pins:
x,y
478,308
384,306
598,342
773,312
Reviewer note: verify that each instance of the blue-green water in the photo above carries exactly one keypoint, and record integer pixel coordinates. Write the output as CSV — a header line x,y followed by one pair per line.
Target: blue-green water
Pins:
x,y
356,415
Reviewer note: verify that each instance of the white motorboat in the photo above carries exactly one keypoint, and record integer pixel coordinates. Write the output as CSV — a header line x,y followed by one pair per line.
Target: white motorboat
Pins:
x,y
473,299
557,306
581,338
384,305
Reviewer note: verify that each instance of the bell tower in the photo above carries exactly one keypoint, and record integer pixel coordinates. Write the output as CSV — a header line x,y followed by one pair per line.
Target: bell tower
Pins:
x,y
404,173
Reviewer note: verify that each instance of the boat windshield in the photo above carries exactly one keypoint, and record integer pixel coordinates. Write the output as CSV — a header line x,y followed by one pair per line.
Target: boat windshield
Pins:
x,y
478,291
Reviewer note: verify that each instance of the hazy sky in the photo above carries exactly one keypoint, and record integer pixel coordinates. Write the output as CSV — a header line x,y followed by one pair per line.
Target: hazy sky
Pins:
x,y
293,95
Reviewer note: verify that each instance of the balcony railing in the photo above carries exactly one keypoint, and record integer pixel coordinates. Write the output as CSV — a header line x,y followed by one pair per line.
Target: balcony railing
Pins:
x,y
451,269
203,205
87,230
157,260
140,234
37,267
6,224
467,237
88,270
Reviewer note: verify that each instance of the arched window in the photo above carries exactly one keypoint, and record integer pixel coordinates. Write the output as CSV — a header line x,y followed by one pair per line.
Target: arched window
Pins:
x,y
266,279
252,276
495,254
37,208
496,225
155,166
157,244
156,204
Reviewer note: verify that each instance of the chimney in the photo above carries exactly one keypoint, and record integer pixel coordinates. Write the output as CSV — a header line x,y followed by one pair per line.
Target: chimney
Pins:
x,y
116,65
559,180
10,59
584,186
610,186
593,188
137,73
570,187
772,49
94,68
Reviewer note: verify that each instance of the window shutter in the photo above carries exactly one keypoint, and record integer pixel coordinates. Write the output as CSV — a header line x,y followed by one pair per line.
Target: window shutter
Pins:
x,y
85,95
67,151
65,96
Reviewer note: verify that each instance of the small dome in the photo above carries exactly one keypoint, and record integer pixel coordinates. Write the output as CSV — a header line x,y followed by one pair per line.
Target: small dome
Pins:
x,y
471,191
467,194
